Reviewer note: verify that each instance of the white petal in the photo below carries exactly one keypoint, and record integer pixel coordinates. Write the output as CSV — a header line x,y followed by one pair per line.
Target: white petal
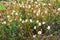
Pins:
x,y
30,20
43,22
23,21
34,36
58,9
34,27
4,22
26,20
48,27
39,32
39,24
37,21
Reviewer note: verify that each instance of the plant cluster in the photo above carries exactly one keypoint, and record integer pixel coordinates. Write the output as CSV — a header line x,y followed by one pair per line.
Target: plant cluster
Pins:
x,y
29,19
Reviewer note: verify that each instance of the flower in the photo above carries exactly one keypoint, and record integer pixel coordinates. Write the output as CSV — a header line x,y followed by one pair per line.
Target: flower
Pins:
x,y
36,2
48,27
37,21
39,32
49,4
34,36
13,11
44,4
23,21
29,6
43,22
30,20
8,16
39,24
20,19
34,27
37,14
58,9
26,20
4,22
16,13
36,5
51,34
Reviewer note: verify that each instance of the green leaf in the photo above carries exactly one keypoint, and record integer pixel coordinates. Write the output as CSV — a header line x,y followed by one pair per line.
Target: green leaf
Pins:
x,y
2,7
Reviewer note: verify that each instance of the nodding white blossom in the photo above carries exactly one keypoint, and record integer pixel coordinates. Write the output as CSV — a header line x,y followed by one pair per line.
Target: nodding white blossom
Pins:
x,y
39,32
8,16
45,11
58,9
34,27
51,34
36,2
16,13
23,6
4,22
36,5
29,6
39,24
20,19
37,21
49,4
23,21
43,22
48,27
13,11
37,14
44,4
34,36
30,20
26,20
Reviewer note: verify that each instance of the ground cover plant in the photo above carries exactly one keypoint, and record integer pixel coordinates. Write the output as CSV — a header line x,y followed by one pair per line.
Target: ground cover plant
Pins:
x,y
30,20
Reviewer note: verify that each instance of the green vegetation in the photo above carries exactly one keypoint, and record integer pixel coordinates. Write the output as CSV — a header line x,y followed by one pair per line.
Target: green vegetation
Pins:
x,y
30,20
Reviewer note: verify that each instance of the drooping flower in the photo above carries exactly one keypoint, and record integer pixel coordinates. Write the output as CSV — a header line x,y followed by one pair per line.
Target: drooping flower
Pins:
x,y
43,22
34,36
23,21
30,20
48,27
37,21
39,24
26,20
4,22
58,9
39,32
34,27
